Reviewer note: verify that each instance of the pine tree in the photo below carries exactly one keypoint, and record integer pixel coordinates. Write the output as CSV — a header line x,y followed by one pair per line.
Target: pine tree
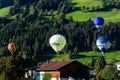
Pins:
x,y
11,69
109,72
100,63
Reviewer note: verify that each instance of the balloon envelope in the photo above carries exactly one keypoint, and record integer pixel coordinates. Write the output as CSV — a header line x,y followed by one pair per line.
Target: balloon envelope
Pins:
x,y
103,43
57,42
12,48
98,21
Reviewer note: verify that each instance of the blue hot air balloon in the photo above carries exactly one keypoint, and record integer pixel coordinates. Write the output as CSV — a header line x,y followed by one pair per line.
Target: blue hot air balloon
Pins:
x,y
103,43
98,21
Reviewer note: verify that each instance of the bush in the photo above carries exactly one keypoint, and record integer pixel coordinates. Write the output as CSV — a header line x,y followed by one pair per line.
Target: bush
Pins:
x,y
46,76
109,72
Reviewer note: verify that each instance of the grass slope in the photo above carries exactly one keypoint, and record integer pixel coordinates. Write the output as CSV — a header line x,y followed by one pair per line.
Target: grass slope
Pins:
x,y
109,16
88,3
85,57
4,11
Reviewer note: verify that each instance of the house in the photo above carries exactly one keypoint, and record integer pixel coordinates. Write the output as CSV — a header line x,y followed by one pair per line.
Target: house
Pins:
x,y
30,72
63,70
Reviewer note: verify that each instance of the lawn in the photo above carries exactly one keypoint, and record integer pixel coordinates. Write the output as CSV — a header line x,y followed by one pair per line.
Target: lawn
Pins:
x,y
108,56
86,56
88,3
111,15
61,57
4,11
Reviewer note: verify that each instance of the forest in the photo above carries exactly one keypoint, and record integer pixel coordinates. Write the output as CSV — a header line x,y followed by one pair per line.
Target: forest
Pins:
x,y
37,21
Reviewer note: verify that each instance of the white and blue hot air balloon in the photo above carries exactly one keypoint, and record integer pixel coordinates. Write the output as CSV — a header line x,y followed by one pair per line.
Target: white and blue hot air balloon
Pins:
x,y
103,43
57,42
98,21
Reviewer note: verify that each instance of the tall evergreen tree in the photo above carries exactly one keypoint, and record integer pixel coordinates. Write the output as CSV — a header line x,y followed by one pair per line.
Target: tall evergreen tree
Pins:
x,y
11,69
100,63
109,72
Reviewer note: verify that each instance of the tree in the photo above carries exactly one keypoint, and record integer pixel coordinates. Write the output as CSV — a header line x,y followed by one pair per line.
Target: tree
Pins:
x,y
93,60
93,8
75,50
100,63
36,46
83,8
31,9
46,76
98,7
10,69
109,72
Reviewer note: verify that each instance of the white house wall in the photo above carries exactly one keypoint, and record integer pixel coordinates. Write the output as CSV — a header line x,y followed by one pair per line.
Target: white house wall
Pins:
x,y
118,67
55,79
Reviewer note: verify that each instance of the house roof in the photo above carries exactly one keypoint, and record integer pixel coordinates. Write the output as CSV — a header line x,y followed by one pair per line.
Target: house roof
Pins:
x,y
55,65
31,68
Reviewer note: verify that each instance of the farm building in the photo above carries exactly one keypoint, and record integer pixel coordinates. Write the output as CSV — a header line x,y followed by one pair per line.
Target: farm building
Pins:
x,y
63,70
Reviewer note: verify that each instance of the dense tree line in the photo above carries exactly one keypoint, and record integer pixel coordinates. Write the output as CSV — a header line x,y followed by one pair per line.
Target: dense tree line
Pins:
x,y
36,6
102,68
106,5
11,68
32,36
111,3
31,31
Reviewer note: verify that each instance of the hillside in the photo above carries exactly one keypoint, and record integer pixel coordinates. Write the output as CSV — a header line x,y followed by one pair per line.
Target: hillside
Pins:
x,y
5,11
31,25
109,16
79,10
89,9
86,57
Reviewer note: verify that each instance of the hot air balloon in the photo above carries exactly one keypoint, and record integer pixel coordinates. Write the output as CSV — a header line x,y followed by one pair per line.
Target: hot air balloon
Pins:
x,y
98,21
12,48
57,42
103,43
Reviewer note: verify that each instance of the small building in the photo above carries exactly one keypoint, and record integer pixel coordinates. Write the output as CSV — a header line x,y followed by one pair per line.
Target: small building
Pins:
x,y
30,72
63,70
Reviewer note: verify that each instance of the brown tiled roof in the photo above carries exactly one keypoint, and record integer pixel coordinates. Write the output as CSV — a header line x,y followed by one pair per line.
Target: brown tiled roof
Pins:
x,y
50,65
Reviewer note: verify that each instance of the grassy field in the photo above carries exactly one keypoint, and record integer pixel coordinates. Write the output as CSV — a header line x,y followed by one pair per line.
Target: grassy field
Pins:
x,y
86,56
109,16
4,11
61,57
108,56
88,3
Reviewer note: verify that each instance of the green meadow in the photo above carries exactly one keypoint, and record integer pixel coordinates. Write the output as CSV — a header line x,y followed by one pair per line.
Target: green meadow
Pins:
x,y
109,16
112,15
4,11
85,57
88,3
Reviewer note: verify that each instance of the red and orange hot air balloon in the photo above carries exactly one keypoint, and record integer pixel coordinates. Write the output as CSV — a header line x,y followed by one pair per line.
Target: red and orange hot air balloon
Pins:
x,y
12,48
